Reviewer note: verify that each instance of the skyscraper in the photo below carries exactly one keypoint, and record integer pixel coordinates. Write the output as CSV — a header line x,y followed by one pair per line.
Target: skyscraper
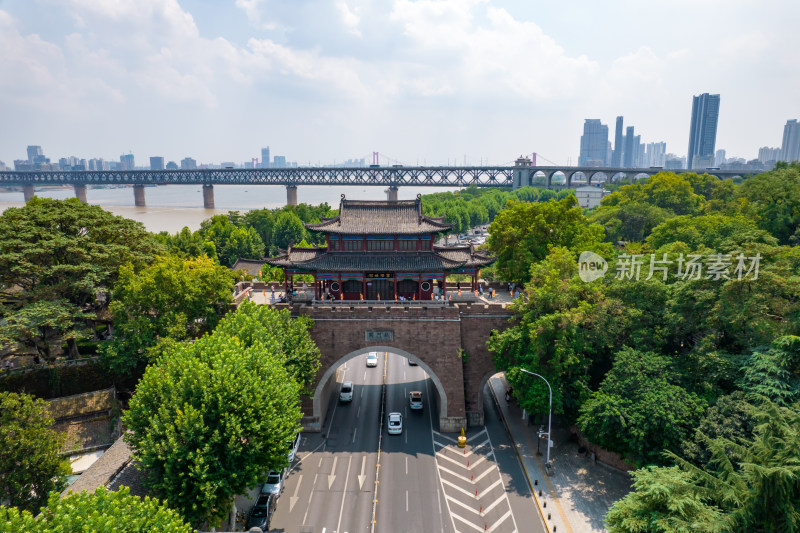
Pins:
x,y
619,147
594,144
126,162
631,155
33,151
655,154
157,163
187,163
703,131
265,160
790,149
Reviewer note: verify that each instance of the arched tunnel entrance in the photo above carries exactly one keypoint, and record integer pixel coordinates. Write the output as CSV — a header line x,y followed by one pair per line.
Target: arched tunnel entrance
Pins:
x,y
395,367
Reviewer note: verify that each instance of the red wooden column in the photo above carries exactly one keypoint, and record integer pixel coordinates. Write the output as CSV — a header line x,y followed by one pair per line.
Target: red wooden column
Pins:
x,y
419,286
395,281
363,287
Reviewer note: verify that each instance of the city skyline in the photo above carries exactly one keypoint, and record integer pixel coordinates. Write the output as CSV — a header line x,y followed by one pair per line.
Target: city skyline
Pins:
x,y
420,81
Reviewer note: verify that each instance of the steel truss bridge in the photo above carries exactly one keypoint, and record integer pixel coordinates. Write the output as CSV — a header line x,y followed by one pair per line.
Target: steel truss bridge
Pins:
x,y
393,177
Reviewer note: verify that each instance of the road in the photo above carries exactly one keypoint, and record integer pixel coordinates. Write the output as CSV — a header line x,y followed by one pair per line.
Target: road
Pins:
x,y
425,483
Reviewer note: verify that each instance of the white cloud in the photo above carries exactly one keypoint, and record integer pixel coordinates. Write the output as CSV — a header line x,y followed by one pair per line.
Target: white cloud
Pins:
x,y
350,17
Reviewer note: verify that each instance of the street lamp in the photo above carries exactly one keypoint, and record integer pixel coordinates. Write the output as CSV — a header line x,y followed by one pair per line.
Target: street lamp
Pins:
x,y
550,414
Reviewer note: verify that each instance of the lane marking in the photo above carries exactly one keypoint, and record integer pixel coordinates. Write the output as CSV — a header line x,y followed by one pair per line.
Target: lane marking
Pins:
x,y
468,493
470,524
438,475
293,499
344,494
361,476
501,520
332,476
488,489
406,465
493,505
450,459
482,475
406,501
454,441
478,434
355,431
464,505
311,495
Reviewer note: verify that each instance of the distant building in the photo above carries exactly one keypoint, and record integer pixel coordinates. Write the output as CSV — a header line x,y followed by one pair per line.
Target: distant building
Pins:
x,y
619,145
97,164
3,167
126,162
632,142
769,155
172,165
703,131
157,163
227,164
719,157
674,162
655,154
33,151
589,196
279,161
187,163
594,144
790,149
265,160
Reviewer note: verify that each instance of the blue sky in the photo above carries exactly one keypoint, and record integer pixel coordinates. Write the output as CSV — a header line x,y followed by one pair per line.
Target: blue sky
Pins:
x,y
426,81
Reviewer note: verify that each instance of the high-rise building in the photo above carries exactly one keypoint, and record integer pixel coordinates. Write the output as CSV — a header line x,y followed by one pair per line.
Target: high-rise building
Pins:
x,y
719,157
279,161
157,163
769,155
172,165
187,163
126,162
33,151
594,144
619,146
654,156
703,131
790,149
265,160
631,155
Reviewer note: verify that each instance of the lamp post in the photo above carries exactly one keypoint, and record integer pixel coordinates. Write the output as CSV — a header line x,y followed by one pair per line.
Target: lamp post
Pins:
x,y
550,414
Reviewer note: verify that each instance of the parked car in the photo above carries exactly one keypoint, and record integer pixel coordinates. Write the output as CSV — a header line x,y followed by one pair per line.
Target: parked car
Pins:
x,y
262,511
395,425
415,399
293,445
346,392
372,359
274,483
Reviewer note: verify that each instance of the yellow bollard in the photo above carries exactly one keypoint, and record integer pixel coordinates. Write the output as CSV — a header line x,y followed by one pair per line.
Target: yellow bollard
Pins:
x,y
462,440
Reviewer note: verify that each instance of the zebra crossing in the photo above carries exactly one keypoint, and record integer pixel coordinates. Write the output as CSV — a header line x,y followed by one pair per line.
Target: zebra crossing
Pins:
x,y
472,485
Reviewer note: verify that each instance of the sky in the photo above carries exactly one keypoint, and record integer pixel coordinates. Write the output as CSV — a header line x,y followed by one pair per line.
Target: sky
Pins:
x,y
419,81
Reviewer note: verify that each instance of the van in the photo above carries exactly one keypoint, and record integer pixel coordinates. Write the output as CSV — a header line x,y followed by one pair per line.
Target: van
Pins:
x,y
346,392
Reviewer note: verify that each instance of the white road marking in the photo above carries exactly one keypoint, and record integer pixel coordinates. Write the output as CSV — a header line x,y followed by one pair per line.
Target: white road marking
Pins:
x,y
488,489
451,439
464,505
305,516
485,472
362,477
332,476
344,494
468,493
406,465
355,431
470,524
406,501
501,520
443,456
475,436
293,499
365,376
358,413
493,505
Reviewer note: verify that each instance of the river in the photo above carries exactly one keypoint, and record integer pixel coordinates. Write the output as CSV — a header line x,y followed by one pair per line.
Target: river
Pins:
x,y
171,207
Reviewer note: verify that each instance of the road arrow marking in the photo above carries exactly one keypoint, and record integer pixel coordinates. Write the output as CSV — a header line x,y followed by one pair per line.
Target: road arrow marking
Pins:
x,y
332,476
293,499
362,477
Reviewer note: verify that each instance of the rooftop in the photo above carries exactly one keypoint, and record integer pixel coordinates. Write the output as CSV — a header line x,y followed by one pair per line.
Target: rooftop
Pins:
x,y
360,217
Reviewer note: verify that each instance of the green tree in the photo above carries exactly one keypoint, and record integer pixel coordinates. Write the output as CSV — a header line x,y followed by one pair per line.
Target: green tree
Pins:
x,y
639,410
719,232
54,250
98,512
288,230
773,198
30,464
774,373
209,418
172,298
39,322
524,233
288,337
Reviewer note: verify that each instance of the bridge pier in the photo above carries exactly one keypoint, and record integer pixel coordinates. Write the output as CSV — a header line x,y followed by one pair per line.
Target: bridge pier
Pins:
x,y
522,173
80,192
138,195
208,196
391,193
291,195
28,191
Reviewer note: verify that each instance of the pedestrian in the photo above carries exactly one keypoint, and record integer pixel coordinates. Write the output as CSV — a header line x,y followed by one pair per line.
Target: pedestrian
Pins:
x,y
508,395
492,293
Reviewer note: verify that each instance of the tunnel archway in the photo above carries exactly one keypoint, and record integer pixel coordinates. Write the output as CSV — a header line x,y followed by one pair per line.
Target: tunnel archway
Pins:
x,y
322,391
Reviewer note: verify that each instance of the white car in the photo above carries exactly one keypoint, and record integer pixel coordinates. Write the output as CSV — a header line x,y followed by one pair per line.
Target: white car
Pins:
x,y
346,392
274,483
372,359
395,425
415,399
293,445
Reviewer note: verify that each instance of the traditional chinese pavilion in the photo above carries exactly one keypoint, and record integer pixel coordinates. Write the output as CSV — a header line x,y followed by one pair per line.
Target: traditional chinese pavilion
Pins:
x,y
381,251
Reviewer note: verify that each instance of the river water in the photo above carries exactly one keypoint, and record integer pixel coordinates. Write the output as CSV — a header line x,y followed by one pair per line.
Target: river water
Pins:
x,y
171,207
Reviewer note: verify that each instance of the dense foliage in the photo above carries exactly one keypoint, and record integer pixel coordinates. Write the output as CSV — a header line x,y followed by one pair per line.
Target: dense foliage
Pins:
x,y
58,262
257,233
172,298
30,464
98,512
209,418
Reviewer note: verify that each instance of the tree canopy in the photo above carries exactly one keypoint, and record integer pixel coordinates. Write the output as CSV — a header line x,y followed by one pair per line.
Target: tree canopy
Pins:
x,y
30,464
209,418
98,512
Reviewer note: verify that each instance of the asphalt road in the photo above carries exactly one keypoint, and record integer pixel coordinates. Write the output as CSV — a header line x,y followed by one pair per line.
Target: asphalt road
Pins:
x,y
426,484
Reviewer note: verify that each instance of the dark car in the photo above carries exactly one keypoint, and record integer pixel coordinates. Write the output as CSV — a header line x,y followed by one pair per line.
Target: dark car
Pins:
x,y
261,514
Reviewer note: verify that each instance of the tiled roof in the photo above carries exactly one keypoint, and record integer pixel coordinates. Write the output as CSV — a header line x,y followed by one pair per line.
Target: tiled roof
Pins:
x,y
359,217
395,261
252,266
467,255
104,469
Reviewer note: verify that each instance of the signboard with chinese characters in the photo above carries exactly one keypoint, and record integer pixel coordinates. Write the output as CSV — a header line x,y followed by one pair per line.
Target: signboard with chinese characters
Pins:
x,y
378,275
379,335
